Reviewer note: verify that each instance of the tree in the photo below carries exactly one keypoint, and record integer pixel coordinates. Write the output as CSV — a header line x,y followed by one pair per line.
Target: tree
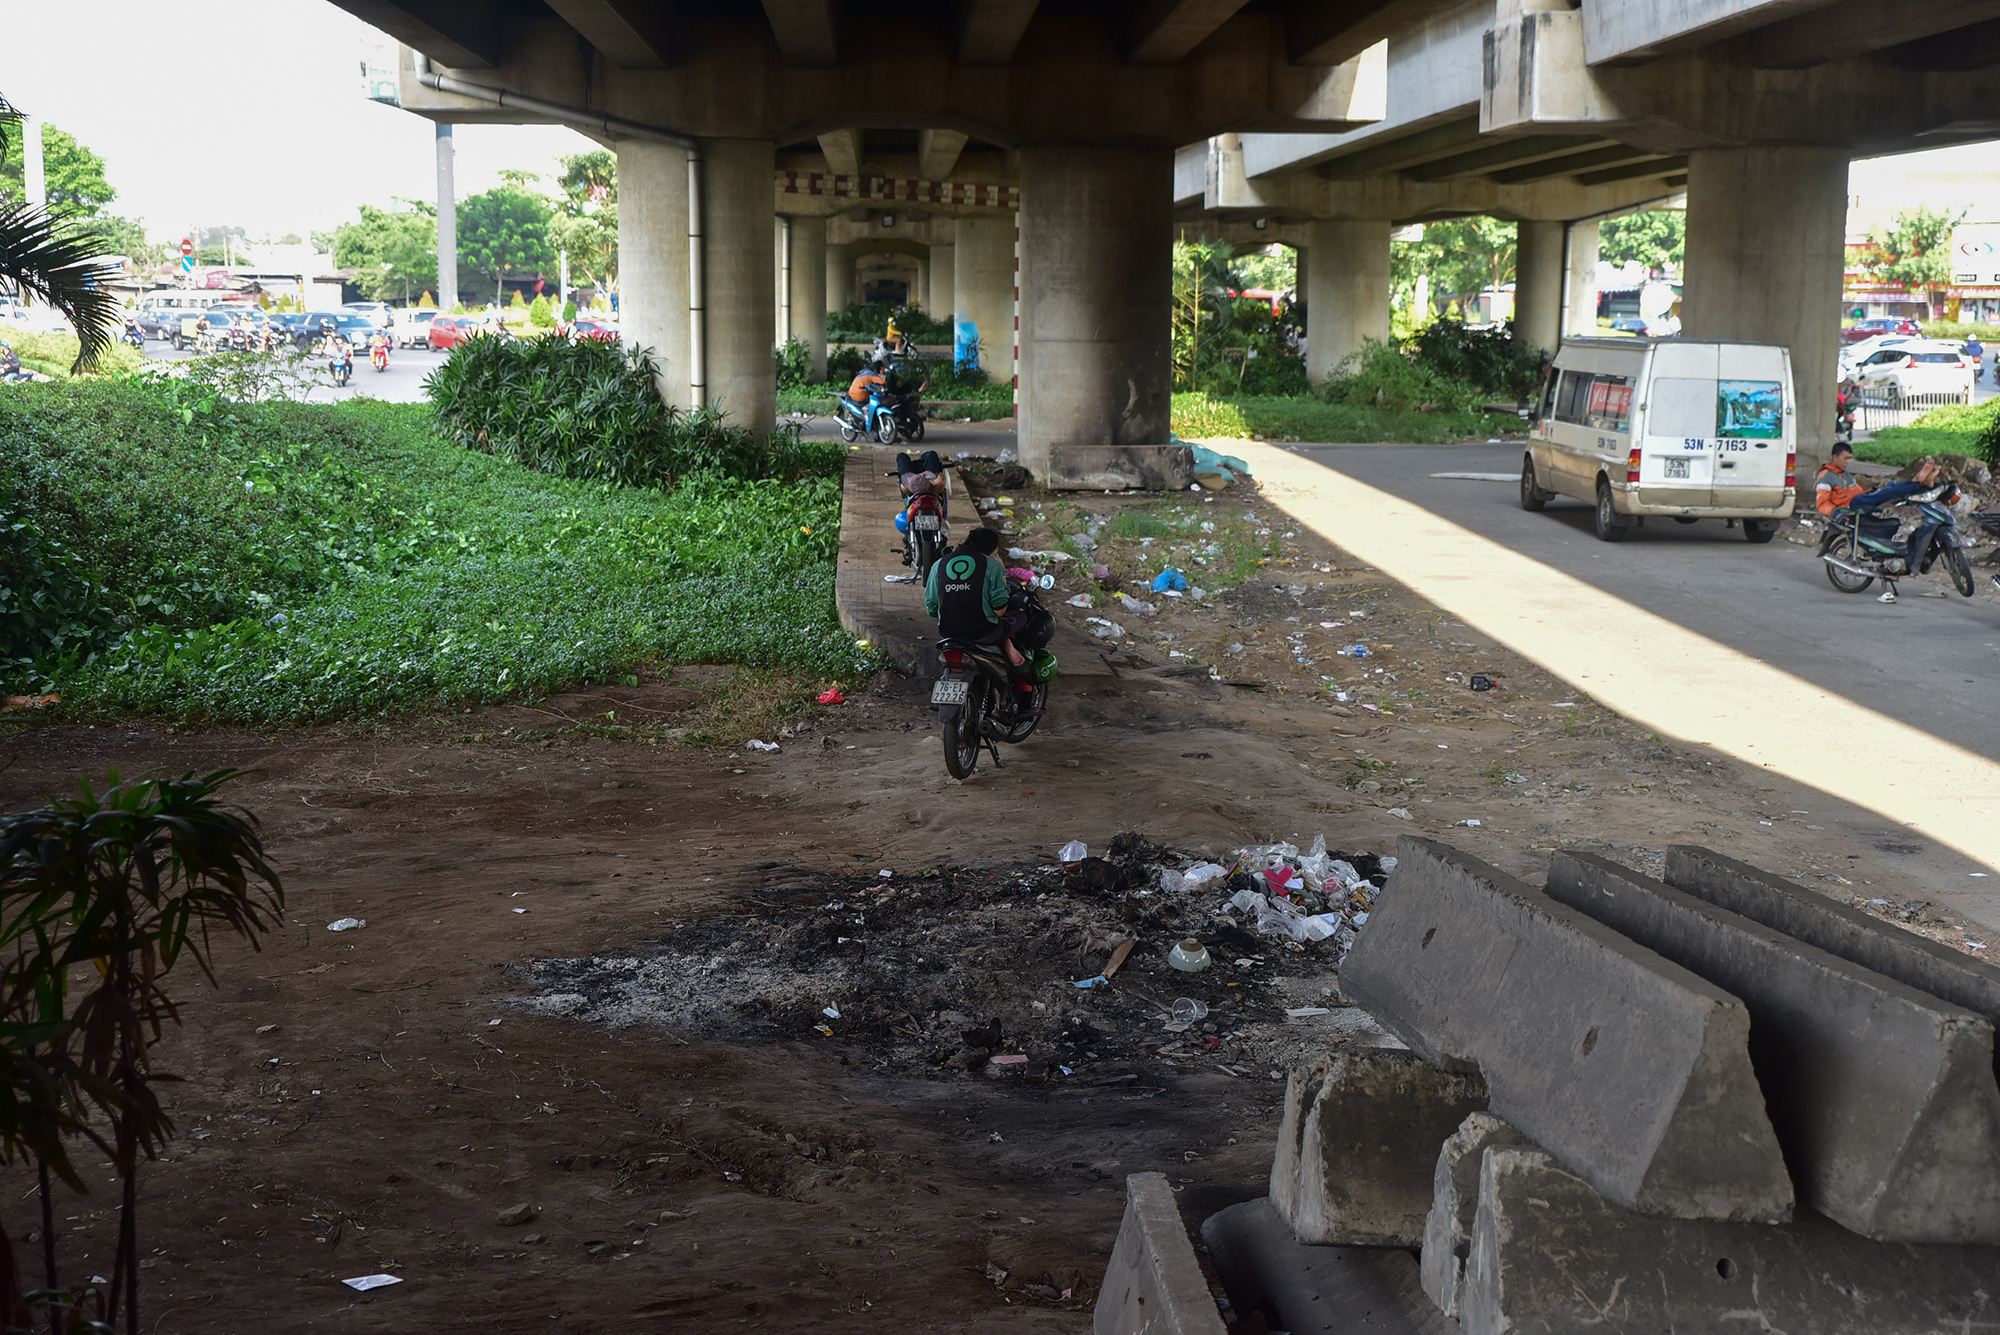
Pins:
x,y
75,175
396,252
586,220
1460,256
504,231
127,237
1274,268
1915,251
1656,239
44,255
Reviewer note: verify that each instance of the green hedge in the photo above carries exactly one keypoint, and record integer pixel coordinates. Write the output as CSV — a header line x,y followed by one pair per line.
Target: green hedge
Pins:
x,y
1205,416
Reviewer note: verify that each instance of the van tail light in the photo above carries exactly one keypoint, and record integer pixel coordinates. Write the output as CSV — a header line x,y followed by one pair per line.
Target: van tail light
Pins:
x,y
1791,468
953,657
1632,465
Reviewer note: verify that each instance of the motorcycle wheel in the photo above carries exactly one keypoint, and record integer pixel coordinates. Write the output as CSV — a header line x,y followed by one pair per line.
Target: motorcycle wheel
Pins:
x,y
924,553
1023,728
847,433
885,428
961,732
1847,548
1961,570
916,432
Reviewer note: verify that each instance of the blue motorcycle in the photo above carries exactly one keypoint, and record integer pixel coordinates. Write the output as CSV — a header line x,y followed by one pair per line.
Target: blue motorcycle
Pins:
x,y
876,417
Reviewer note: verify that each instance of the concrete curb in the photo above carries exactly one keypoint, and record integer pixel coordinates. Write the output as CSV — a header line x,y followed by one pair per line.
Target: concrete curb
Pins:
x,y
1154,1284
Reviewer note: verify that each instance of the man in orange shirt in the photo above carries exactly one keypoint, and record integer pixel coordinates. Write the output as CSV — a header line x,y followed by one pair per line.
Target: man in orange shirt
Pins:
x,y
870,374
1837,487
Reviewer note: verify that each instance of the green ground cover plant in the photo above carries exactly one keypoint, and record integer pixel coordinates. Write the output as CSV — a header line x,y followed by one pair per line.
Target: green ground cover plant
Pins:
x,y
167,552
1208,417
1957,428
55,354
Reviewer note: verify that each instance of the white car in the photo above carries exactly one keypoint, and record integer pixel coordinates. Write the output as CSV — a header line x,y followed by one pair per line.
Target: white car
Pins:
x,y
1853,354
1915,368
379,313
412,327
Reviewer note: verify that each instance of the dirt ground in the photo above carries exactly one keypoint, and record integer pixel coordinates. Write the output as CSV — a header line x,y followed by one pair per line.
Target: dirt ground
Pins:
x,y
598,954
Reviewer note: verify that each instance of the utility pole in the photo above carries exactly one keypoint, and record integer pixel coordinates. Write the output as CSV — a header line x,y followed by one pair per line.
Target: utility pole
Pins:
x,y
33,174
447,214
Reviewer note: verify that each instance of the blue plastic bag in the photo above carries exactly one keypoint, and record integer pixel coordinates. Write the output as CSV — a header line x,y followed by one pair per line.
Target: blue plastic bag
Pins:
x,y
1169,578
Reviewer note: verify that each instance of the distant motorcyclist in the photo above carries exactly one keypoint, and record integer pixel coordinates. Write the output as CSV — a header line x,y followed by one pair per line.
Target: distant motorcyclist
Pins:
x,y
898,344
1977,352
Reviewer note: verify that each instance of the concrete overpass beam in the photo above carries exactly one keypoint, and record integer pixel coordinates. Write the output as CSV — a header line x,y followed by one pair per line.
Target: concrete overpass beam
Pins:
x,y
843,151
937,153
983,280
653,259
808,289
989,30
632,35
1858,27
1162,32
1346,287
1765,253
738,237
1580,301
1318,33
1538,283
1619,32
806,31
1096,311
454,34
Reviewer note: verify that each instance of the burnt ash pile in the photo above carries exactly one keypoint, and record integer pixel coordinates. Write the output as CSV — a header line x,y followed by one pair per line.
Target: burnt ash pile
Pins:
x,y
978,969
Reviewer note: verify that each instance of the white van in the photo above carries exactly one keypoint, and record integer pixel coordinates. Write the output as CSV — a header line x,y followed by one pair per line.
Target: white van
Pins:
x,y
1676,427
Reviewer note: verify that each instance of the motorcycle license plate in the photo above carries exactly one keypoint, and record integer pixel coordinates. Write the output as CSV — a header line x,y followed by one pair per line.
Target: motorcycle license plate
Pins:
x,y
949,691
925,521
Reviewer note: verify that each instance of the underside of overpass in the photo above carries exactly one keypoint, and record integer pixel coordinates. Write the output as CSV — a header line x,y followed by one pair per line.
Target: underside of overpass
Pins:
x,y
1075,135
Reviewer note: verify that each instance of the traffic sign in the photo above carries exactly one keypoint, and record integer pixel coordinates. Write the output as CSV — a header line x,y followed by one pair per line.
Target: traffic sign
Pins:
x,y
187,246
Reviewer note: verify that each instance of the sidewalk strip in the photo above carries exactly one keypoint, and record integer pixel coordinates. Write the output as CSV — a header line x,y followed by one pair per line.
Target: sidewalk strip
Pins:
x,y
1647,668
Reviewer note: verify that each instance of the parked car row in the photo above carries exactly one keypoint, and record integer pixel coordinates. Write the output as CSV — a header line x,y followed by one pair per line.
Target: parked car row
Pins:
x,y
1893,368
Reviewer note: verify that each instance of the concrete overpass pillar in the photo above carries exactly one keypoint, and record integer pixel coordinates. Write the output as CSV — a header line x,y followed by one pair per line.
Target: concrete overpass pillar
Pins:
x,y
738,233
809,296
1580,304
1096,317
1538,284
944,260
983,260
653,259
1346,290
839,277
920,294
1766,234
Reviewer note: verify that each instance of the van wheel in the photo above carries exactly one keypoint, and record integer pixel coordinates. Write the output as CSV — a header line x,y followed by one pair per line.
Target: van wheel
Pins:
x,y
1611,526
1532,496
1759,530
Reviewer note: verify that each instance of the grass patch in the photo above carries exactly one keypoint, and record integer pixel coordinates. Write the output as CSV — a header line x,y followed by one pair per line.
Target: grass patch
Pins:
x,y
1953,429
54,354
1206,416
1214,545
199,560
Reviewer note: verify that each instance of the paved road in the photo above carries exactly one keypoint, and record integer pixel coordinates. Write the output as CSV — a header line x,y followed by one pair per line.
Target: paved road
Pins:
x,y
1930,662
403,382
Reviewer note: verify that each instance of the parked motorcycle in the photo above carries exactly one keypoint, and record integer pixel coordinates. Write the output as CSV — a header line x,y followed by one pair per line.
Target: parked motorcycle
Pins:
x,y
926,533
1860,547
981,699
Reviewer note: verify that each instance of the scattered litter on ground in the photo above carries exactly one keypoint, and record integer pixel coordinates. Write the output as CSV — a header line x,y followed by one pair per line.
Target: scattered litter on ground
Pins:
x,y
1136,607
832,696
756,745
1081,600
367,1282
346,924
1169,580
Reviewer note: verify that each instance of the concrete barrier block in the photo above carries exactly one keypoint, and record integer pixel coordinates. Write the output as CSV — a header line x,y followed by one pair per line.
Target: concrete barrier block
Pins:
x,y
1550,1256
1314,1290
1360,1133
1882,1096
1154,1284
1631,1070
1454,1201
1947,974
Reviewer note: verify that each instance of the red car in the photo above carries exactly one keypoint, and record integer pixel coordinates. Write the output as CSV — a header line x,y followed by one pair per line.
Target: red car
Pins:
x,y
588,328
448,331
1881,324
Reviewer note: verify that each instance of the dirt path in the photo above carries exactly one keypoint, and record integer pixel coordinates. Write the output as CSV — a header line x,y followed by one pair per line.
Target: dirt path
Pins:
x,y
723,1163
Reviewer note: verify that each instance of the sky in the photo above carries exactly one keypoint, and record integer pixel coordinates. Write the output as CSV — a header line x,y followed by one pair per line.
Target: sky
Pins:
x,y
311,147
307,149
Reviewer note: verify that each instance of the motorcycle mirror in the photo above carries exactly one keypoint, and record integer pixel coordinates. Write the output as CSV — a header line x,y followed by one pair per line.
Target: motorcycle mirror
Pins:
x,y
1045,582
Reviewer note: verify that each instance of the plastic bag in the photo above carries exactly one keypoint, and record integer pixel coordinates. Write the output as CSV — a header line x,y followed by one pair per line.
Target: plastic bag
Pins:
x,y
1202,874
1073,851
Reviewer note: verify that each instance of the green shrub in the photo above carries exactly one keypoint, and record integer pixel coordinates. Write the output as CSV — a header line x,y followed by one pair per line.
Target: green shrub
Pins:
x,y
1380,376
1492,361
865,324
289,563
794,363
541,314
54,354
1274,374
586,408
1953,329
1957,428
1200,415
1302,417
843,364
569,311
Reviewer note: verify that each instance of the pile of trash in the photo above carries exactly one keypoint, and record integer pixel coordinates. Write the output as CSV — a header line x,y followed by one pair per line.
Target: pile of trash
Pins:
x,y
1309,896
1138,965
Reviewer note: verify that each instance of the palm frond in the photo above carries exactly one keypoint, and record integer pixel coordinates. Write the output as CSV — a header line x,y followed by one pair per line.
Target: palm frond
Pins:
x,y
53,260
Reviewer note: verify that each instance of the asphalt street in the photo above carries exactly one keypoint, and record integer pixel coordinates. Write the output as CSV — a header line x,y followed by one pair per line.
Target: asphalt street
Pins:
x,y
403,382
1927,661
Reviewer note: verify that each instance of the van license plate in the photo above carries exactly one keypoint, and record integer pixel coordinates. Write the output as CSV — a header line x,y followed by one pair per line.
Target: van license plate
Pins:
x,y
1676,467
925,521
949,691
